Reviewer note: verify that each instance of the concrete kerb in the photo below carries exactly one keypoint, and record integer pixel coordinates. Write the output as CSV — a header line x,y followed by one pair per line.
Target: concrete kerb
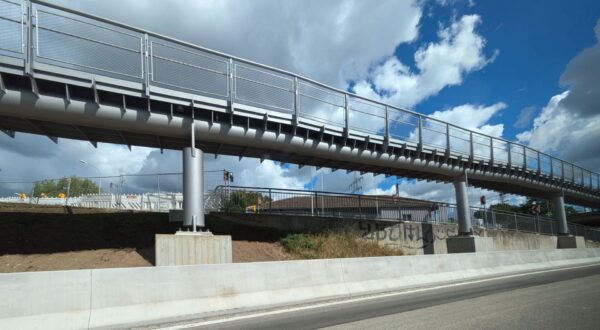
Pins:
x,y
105,298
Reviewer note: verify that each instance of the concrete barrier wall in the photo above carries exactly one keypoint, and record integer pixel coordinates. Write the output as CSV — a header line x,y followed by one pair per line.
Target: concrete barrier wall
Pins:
x,y
134,296
411,237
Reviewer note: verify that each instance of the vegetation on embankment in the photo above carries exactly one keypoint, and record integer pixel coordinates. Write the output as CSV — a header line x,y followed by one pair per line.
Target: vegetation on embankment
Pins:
x,y
334,245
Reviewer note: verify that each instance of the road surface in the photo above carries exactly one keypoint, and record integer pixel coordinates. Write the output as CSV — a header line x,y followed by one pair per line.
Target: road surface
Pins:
x,y
558,299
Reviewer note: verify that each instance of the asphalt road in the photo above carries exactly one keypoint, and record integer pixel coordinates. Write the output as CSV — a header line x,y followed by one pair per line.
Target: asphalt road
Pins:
x,y
562,299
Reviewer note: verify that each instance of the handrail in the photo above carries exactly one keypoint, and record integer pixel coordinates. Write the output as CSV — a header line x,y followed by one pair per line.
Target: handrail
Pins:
x,y
586,175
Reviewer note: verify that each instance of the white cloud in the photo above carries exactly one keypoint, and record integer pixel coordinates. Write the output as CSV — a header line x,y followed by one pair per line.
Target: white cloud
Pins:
x,y
561,131
568,125
582,76
439,64
525,117
330,41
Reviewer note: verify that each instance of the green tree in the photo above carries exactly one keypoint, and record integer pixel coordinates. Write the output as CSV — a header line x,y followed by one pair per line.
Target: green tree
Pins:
x,y
53,188
238,201
505,207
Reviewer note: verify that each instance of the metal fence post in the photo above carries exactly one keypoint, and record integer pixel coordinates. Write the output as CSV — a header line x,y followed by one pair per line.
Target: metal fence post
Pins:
x,y
316,201
359,207
516,223
270,201
158,187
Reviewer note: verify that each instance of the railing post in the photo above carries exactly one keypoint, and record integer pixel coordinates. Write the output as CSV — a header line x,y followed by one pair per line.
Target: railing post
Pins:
x,y
346,116
509,155
146,64
447,139
471,149
270,201
296,101
524,158
232,86
28,39
386,134
420,133
539,163
491,150
516,223
562,170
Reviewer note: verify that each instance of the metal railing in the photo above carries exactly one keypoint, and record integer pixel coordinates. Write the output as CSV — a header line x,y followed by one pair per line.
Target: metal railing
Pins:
x,y
237,199
55,36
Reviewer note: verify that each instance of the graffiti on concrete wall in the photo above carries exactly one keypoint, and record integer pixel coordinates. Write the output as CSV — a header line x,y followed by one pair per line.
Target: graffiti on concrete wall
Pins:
x,y
408,236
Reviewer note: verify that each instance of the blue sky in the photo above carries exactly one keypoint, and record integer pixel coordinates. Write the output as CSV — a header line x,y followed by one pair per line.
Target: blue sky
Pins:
x,y
536,40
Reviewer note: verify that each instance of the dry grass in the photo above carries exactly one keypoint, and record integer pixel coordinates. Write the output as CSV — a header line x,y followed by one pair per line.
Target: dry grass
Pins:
x,y
334,245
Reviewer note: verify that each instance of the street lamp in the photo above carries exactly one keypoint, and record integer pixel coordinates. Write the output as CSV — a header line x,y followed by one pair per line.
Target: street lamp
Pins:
x,y
99,173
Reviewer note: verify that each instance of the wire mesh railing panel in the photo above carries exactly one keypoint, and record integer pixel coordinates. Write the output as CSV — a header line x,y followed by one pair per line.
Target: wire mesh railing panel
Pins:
x,y
188,69
460,141
11,25
366,116
517,158
403,126
83,44
482,147
434,134
569,172
578,175
501,151
557,168
545,164
547,227
505,221
526,224
258,86
320,104
531,157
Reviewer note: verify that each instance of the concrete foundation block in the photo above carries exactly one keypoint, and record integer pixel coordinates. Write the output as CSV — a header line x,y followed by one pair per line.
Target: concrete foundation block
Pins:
x,y
463,244
571,242
186,248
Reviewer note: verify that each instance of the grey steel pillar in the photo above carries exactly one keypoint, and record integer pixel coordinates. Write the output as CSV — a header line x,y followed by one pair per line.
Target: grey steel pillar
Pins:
x,y
558,200
462,205
193,187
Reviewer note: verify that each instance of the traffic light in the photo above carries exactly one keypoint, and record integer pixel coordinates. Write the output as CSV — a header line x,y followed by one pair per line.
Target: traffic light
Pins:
x,y
227,176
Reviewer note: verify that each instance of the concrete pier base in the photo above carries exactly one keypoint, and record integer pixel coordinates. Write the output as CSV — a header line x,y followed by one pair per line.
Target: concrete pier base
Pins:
x,y
570,242
464,244
188,248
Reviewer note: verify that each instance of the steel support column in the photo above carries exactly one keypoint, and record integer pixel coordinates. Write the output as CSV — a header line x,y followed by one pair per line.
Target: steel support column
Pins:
x,y
559,210
462,205
193,187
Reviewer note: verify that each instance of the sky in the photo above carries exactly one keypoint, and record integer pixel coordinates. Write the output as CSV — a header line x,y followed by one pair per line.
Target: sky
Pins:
x,y
527,71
